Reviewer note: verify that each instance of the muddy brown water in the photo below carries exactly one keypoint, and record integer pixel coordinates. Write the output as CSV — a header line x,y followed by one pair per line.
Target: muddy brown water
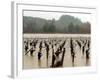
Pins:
x,y
32,62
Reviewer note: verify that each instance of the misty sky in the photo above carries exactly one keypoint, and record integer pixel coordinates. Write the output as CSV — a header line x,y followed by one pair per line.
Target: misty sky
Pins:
x,y
56,15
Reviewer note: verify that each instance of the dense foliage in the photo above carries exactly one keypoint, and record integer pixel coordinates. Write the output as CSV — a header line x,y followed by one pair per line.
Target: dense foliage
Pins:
x,y
66,24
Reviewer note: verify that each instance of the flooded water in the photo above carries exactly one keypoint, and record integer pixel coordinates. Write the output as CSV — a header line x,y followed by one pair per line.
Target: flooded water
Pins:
x,y
81,57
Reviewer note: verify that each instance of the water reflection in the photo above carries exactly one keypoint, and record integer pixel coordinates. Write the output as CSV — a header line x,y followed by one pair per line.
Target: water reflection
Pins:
x,y
39,63
73,64
87,62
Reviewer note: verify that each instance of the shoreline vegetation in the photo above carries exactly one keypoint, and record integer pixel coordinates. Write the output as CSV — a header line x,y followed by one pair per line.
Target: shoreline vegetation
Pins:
x,y
65,25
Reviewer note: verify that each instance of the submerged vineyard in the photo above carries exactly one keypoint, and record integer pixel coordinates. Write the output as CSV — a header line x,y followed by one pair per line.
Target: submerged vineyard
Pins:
x,y
53,52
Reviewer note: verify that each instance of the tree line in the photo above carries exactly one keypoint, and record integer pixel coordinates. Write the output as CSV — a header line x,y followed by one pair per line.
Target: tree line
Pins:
x,y
50,26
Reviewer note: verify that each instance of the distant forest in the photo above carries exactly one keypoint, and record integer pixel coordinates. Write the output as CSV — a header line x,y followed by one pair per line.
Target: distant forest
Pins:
x,y
66,24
